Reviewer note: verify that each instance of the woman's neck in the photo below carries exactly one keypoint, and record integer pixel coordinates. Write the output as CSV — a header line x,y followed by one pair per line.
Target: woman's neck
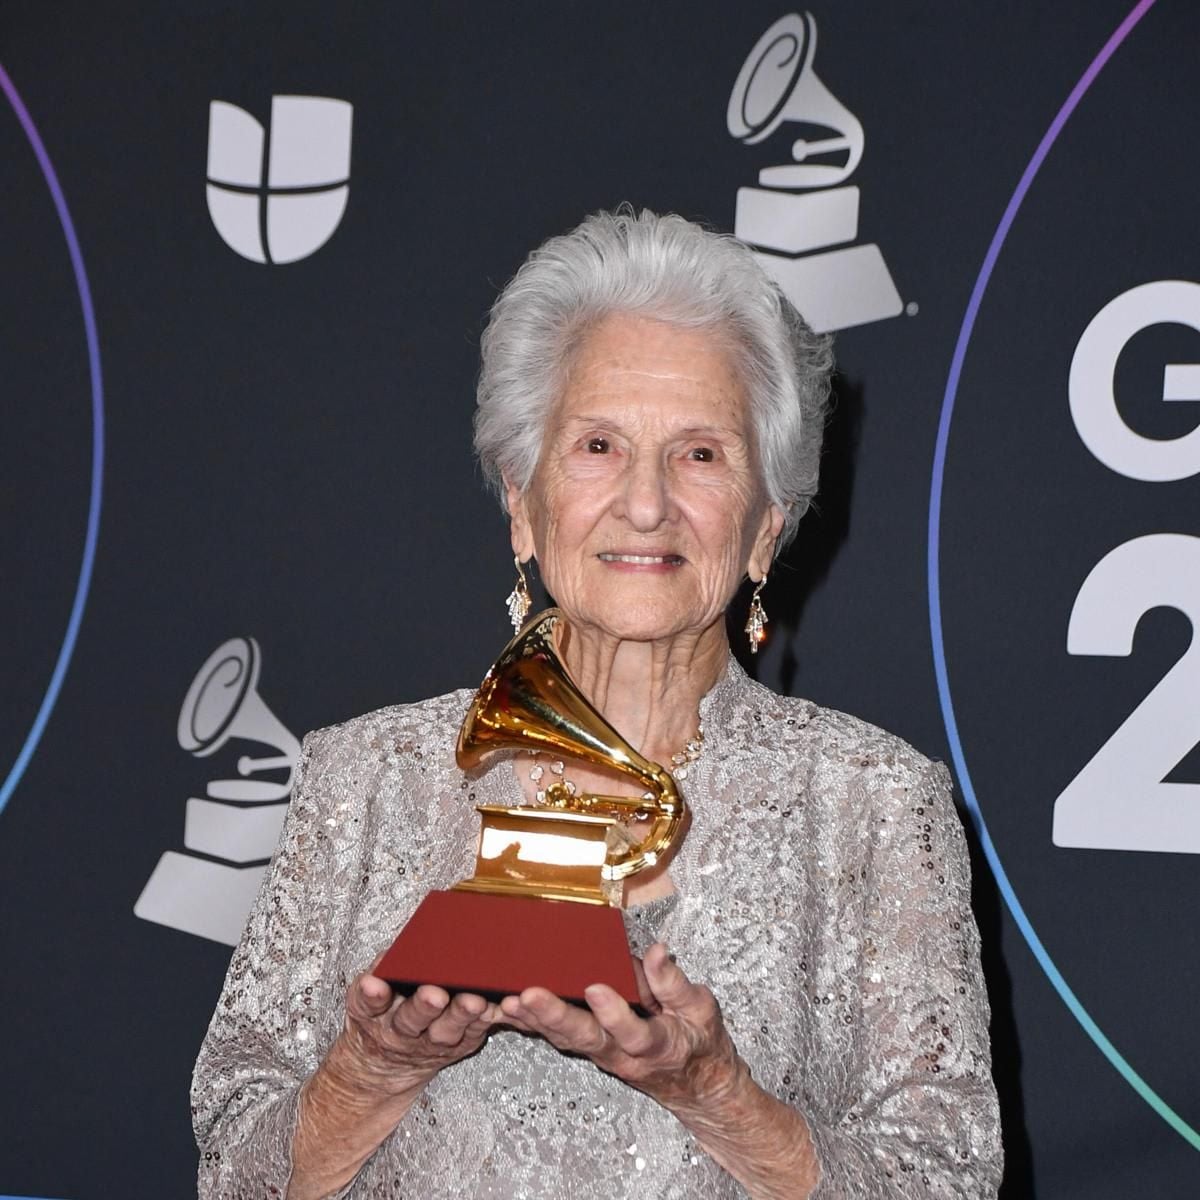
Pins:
x,y
650,692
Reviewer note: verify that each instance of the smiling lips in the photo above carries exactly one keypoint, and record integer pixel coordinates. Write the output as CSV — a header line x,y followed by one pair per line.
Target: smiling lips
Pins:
x,y
644,560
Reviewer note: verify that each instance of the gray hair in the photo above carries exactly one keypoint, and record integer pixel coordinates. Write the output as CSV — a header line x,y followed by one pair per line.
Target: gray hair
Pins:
x,y
671,270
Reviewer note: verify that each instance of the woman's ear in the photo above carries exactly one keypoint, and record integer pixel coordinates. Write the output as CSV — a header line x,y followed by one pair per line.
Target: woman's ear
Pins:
x,y
762,553
520,529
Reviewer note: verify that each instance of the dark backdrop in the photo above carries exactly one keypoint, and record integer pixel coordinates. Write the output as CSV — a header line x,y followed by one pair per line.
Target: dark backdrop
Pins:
x,y
287,459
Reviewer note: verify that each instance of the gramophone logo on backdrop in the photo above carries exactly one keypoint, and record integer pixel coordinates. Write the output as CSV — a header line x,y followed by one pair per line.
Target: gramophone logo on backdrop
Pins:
x,y
276,195
239,823
787,218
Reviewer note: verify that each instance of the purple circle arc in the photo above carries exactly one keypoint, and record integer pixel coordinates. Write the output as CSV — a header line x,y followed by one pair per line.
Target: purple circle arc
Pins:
x,y
83,584
1189,1134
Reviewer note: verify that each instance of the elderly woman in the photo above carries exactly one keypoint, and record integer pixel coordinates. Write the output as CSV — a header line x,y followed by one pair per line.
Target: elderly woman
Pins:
x,y
814,1024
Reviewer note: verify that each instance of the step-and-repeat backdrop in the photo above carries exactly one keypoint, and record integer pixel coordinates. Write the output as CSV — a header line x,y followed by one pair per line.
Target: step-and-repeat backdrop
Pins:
x,y
247,253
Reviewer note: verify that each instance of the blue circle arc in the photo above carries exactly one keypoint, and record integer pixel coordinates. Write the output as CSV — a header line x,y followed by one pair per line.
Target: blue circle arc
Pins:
x,y
83,585
935,604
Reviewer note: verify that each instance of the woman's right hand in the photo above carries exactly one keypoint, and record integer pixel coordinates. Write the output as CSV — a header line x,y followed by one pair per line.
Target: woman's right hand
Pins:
x,y
390,1047
398,1043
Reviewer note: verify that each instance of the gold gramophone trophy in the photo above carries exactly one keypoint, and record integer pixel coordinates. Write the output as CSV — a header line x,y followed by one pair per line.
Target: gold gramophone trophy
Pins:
x,y
535,912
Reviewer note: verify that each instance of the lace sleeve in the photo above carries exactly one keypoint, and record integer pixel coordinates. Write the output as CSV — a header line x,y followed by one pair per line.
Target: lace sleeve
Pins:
x,y
260,1044
926,1121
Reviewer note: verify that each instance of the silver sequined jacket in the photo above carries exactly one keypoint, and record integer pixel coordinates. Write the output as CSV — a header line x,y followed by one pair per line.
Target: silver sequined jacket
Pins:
x,y
822,894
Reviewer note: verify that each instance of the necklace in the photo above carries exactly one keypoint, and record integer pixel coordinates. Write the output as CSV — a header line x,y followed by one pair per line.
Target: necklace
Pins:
x,y
693,748
681,762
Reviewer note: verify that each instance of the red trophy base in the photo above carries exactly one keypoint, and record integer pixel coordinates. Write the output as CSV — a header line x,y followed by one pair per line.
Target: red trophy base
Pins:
x,y
499,945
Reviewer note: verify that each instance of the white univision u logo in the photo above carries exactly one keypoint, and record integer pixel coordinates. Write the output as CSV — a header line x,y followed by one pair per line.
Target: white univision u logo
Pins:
x,y
277,194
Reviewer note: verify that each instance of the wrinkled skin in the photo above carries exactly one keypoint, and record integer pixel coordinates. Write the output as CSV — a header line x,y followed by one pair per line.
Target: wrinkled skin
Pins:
x,y
646,511
680,1054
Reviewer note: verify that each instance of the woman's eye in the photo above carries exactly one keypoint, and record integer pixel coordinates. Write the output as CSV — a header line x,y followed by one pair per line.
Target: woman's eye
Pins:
x,y
597,445
701,454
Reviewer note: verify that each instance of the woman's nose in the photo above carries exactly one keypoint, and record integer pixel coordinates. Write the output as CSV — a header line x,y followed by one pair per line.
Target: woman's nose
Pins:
x,y
646,494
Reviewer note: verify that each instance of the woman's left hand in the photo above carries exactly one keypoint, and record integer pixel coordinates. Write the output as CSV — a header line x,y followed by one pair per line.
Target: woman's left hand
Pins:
x,y
681,1055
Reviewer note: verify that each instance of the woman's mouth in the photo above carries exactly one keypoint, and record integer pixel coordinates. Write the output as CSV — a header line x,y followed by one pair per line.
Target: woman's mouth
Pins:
x,y
644,560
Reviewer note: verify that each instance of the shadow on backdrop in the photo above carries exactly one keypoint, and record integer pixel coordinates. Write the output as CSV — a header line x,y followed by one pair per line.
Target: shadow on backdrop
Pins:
x,y
804,564
797,573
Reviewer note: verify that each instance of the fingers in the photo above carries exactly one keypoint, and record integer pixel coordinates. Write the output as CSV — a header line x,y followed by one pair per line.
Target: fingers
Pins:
x,y
670,986
608,1031
369,997
428,1012
444,1021
646,997
563,1025
465,1015
630,1033
412,1015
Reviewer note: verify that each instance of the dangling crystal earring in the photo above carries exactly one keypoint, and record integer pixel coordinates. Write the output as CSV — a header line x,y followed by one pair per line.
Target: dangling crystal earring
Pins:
x,y
757,620
519,601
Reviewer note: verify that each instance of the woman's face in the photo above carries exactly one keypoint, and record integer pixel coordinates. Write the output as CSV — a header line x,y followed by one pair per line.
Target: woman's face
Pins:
x,y
646,508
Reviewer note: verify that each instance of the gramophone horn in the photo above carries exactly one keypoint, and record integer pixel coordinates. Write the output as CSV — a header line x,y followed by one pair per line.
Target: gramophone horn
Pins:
x,y
777,83
223,703
527,701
